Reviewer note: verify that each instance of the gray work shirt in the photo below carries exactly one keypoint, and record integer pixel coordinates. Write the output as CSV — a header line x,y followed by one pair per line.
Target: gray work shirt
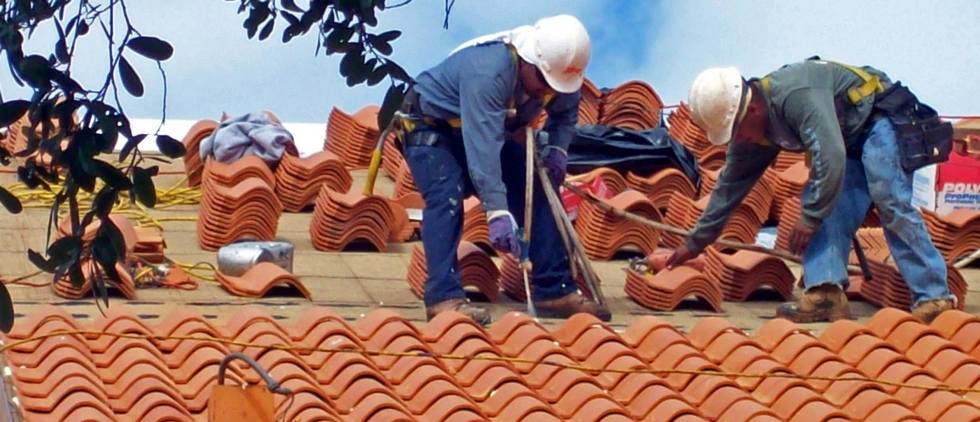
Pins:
x,y
478,84
802,113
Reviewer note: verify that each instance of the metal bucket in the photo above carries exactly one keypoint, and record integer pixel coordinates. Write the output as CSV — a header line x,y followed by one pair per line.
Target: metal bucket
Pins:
x,y
237,258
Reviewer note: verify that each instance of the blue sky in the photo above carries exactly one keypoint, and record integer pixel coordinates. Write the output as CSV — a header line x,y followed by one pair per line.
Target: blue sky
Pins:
x,y
931,46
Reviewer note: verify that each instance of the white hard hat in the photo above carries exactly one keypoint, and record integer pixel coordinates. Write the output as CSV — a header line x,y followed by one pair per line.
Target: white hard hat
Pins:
x,y
714,100
561,50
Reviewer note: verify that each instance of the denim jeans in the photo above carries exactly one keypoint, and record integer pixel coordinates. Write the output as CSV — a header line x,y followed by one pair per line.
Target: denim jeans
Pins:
x,y
440,173
877,177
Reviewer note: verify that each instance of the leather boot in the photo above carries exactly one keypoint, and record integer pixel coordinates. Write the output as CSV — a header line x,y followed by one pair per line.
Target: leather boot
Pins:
x,y
476,313
826,302
928,310
569,305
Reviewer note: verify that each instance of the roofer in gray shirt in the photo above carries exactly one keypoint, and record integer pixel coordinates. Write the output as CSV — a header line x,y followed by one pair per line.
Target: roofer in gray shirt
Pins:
x,y
863,136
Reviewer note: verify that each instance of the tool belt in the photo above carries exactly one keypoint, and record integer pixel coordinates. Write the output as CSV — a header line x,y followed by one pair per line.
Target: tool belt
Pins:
x,y
923,138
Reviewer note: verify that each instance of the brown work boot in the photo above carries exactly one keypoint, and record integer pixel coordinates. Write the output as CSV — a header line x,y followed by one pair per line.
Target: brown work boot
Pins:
x,y
463,306
826,302
928,310
569,305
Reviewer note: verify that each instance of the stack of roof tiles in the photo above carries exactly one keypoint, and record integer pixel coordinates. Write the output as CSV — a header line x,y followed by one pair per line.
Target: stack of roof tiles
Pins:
x,y
887,287
340,219
631,105
104,377
603,233
150,245
659,186
475,228
260,279
789,186
512,280
742,226
684,130
956,234
353,137
614,181
476,271
667,289
90,270
404,182
787,159
746,272
238,201
193,166
588,106
298,180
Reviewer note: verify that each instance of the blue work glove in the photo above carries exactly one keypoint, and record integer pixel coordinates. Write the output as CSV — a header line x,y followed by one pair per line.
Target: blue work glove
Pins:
x,y
555,161
503,233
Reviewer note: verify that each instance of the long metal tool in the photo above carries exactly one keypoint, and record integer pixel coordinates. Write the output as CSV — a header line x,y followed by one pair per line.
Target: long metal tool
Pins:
x,y
678,231
576,252
528,211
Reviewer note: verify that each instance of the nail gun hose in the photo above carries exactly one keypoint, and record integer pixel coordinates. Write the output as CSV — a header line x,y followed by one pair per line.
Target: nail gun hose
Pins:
x,y
272,384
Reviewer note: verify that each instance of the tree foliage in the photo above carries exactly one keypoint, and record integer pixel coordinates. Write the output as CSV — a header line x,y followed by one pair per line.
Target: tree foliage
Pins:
x,y
76,125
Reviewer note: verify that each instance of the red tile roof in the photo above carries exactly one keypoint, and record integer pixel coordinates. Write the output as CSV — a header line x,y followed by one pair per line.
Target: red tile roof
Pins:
x,y
517,369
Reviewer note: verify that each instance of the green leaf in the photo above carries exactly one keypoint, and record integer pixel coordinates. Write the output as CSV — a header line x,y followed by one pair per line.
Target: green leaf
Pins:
x,y
392,102
267,29
131,144
35,70
170,147
6,309
112,176
151,47
130,79
397,72
83,27
291,6
66,83
143,187
377,73
109,231
40,261
12,111
104,200
388,36
64,250
381,46
10,202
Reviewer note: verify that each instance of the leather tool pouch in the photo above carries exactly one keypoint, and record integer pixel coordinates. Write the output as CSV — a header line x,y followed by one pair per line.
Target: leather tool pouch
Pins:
x,y
923,138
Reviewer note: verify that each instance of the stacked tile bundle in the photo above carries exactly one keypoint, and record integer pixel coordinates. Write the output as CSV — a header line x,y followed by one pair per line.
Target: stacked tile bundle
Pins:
x,y
887,287
238,201
667,289
150,245
968,146
512,280
956,234
82,377
298,180
475,228
259,280
714,159
746,272
353,137
588,106
476,271
614,181
193,166
659,186
789,186
340,219
603,233
404,183
683,129
787,159
404,206
125,286
743,225
632,105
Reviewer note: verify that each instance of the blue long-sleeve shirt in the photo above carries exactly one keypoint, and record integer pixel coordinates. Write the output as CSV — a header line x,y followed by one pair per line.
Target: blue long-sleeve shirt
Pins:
x,y
479,84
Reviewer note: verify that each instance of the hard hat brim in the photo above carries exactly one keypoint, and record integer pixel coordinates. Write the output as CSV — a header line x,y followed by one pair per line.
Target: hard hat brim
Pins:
x,y
722,136
565,85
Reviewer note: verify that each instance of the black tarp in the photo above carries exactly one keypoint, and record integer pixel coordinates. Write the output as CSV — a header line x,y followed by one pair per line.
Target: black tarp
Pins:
x,y
641,152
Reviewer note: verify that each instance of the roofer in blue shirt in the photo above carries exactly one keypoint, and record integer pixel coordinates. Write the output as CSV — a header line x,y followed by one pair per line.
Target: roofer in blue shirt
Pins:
x,y
466,135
